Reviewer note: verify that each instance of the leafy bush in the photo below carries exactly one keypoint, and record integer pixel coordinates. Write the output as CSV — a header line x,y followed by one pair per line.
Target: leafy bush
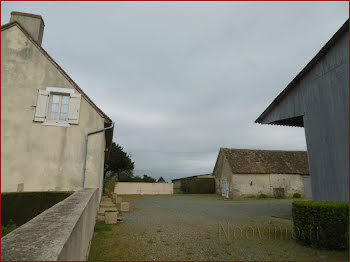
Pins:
x,y
296,195
262,196
23,206
8,228
177,191
109,186
198,185
321,223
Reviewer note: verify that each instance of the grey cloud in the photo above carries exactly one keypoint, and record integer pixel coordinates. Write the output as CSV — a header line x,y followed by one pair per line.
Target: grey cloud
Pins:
x,y
182,79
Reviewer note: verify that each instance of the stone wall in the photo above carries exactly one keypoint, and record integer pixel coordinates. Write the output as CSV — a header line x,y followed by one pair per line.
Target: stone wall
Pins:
x,y
60,233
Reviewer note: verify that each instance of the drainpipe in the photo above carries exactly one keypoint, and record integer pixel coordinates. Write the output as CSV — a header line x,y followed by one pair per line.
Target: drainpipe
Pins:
x,y
85,149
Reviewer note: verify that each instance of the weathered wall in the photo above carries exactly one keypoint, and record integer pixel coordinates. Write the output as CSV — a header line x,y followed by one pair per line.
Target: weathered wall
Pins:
x,y
133,188
42,157
221,171
177,184
254,184
322,98
60,233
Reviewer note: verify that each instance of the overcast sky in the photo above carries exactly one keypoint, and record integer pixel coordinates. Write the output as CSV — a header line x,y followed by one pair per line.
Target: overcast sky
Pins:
x,y
182,79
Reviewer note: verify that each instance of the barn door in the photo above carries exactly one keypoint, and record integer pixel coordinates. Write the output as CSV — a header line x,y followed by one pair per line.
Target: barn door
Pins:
x,y
223,188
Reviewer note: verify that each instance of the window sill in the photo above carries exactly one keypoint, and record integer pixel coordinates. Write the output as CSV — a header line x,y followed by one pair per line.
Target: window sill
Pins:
x,y
55,124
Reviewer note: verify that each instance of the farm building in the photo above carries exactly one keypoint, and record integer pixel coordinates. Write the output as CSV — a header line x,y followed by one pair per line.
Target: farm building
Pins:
x,y
202,184
177,182
318,100
240,172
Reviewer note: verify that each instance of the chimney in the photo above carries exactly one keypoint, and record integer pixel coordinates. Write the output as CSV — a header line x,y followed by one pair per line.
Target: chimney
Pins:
x,y
33,24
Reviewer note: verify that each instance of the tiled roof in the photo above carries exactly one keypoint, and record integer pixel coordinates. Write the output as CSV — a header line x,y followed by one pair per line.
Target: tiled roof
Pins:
x,y
246,161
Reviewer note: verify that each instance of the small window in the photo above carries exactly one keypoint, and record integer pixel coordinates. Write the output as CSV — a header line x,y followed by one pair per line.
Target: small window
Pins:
x,y
58,108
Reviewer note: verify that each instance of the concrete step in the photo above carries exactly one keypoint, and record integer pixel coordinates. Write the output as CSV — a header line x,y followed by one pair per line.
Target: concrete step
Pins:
x,y
107,204
101,218
103,209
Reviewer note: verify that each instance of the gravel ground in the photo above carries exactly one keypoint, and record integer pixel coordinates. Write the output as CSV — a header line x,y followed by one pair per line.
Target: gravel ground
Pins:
x,y
203,227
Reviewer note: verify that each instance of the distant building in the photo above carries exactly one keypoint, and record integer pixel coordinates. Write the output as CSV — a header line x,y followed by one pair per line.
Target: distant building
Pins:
x,y
177,182
45,116
318,100
243,172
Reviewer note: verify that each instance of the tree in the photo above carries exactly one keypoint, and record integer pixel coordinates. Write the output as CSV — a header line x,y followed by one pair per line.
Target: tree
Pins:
x,y
119,162
161,180
148,179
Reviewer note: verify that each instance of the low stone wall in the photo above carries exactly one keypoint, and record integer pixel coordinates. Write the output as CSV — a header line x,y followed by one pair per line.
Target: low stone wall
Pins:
x,y
134,188
62,232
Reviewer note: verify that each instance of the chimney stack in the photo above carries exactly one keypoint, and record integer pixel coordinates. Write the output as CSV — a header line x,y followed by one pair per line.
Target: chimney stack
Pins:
x,y
33,24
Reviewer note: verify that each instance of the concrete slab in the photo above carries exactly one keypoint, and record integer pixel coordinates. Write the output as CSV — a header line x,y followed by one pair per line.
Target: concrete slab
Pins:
x,y
111,217
124,206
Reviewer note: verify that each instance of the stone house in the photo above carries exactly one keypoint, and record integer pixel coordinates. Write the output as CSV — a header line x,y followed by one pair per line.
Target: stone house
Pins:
x,y
318,100
45,117
240,172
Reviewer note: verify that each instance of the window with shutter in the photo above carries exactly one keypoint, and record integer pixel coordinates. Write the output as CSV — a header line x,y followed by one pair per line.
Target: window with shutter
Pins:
x,y
57,106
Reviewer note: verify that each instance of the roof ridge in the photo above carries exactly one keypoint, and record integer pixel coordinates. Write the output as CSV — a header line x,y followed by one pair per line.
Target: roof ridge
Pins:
x,y
270,150
75,85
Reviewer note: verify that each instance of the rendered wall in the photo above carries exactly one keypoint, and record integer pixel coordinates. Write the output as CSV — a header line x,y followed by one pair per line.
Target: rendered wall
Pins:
x,y
41,157
133,188
254,184
221,171
61,233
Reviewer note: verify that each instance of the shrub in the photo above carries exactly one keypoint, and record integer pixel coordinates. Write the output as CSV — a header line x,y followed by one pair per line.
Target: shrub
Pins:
x,y
8,228
177,191
321,223
109,186
198,185
23,206
262,196
296,195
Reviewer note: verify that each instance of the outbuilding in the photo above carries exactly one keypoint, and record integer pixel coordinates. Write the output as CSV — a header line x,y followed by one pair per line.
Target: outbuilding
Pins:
x,y
318,100
244,172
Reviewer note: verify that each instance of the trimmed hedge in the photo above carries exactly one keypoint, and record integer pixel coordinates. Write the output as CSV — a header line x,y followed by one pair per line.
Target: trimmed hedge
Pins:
x,y
321,223
20,207
193,185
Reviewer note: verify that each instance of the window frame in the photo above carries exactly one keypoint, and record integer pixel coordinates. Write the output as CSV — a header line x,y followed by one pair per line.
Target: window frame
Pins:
x,y
48,115
61,92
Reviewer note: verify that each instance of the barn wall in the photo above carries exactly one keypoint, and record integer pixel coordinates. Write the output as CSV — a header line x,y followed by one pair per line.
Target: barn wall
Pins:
x,y
254,184
221,171
322,98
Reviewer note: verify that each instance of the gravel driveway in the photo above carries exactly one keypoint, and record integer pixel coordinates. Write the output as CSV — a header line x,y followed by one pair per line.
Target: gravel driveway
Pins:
x,y
203,227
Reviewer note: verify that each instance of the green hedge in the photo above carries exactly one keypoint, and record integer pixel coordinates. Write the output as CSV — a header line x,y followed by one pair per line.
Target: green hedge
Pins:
x,y
20,207
193,185
321,223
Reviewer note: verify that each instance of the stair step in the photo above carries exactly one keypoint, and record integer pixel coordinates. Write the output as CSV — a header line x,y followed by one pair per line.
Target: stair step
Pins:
x,y
100,218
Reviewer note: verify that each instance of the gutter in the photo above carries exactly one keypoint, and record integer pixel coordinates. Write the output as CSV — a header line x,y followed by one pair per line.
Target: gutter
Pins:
x,y
85,149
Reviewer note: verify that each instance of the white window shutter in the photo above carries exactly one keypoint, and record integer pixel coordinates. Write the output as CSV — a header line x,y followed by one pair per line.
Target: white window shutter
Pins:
x,y
74,108
41,106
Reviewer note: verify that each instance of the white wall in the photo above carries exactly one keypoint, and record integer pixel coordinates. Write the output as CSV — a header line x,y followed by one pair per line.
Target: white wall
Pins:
x,y
133,188
253,184
61,233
